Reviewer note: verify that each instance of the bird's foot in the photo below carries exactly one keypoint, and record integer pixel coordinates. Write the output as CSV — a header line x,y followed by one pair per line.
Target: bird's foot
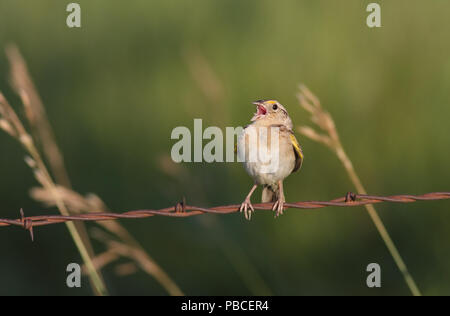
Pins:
x,y
248,209
278,206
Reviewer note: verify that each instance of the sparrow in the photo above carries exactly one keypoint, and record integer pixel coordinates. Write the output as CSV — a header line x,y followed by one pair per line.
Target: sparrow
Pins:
x,y
279,145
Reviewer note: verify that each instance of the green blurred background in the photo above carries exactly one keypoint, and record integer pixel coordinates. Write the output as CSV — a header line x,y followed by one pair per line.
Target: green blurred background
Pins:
x,y
116,87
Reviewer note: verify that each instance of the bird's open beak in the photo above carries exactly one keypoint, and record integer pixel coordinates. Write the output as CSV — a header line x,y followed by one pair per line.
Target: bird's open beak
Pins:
x,y
260,110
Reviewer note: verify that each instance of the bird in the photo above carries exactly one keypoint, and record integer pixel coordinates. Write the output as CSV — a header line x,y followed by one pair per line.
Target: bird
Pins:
x,y
279,144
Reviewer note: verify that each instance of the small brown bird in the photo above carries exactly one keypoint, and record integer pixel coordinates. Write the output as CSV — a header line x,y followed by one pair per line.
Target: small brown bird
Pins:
x,y
270,134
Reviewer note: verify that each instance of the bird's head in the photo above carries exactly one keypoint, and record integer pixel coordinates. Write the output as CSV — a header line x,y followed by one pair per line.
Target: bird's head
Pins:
x,y
270,112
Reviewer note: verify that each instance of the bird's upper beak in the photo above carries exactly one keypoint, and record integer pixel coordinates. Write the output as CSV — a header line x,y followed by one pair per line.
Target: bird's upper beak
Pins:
x,y
260,110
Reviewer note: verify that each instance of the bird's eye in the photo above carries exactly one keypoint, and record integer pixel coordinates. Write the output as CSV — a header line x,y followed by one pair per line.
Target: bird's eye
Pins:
x,y
275,107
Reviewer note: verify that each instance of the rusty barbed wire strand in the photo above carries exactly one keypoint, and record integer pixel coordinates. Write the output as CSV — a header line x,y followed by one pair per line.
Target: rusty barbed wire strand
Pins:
x,y
181,209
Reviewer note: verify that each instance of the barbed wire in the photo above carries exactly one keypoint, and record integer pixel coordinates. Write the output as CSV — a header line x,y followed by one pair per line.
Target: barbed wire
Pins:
x,y
181,209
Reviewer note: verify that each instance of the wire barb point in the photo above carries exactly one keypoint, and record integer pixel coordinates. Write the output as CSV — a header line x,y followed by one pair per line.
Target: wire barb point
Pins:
x,y
181,206
350,197
27,223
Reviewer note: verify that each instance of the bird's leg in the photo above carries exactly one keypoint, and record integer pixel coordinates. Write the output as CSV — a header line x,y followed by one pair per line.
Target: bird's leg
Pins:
x,y
279,204
247,206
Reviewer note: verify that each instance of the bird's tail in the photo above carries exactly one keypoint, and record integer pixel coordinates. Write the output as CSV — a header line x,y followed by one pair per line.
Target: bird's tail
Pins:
x,y
270,193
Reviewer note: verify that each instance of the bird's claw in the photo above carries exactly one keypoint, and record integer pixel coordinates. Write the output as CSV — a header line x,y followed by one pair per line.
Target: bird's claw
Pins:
x,y
248,209
278,206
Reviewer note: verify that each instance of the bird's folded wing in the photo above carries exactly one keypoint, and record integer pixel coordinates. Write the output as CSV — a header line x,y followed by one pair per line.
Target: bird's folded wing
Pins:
x,y
298,153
